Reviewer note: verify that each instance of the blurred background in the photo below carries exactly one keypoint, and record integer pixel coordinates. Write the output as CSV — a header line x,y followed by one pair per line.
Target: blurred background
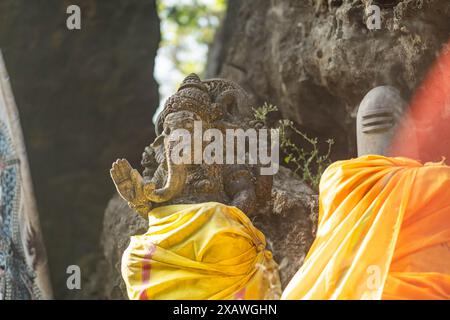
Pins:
x,y
87,97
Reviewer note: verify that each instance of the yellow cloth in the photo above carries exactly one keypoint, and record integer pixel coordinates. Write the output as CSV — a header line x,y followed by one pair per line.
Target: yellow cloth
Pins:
x,y
383,233
200,251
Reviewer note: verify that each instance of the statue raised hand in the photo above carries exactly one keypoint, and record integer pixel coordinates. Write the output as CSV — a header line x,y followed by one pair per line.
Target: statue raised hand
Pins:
x,y
130,185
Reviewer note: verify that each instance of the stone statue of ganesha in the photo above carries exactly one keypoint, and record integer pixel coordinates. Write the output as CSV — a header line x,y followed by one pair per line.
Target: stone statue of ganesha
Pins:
x,y
219,104
200,244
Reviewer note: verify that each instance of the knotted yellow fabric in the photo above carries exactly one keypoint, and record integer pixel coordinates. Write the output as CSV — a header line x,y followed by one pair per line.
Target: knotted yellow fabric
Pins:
x,y
200,251
383,233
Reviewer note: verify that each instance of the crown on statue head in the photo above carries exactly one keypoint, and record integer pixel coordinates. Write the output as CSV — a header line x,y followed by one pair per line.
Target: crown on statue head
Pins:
x,y
193,96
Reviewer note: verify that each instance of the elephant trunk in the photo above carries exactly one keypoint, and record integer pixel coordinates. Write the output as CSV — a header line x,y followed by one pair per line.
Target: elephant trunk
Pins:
x,y
176,179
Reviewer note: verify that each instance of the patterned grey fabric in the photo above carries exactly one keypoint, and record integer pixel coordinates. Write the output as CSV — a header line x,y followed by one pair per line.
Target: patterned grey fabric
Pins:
x,y
23,263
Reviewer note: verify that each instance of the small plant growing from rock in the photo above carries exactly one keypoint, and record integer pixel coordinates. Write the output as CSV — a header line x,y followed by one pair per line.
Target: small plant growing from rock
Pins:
x,y
261,113
308,163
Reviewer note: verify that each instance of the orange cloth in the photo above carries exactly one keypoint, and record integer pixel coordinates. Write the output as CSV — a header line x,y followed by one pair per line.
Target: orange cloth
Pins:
x,y
383,233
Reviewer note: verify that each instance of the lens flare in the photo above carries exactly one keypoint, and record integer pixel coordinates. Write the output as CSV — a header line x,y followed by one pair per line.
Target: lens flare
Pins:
x,y
424,133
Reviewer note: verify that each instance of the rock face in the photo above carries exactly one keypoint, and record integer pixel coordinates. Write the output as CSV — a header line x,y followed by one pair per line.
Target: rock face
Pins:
x,y
85,98
289,223
316,59
104,279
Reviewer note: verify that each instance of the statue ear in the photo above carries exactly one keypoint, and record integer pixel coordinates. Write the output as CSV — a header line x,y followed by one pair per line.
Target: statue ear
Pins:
x,y
228,101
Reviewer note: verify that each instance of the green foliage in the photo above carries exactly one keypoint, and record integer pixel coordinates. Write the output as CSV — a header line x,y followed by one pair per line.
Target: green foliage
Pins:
x,y
261,113
187,26
308,163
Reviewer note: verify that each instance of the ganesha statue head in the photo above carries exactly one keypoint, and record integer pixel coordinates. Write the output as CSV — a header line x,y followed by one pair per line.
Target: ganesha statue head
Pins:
x,y
196,107
192,99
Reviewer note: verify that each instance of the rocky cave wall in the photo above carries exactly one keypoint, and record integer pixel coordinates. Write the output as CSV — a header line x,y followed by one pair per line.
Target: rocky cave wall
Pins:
x,y
316,59
85,97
